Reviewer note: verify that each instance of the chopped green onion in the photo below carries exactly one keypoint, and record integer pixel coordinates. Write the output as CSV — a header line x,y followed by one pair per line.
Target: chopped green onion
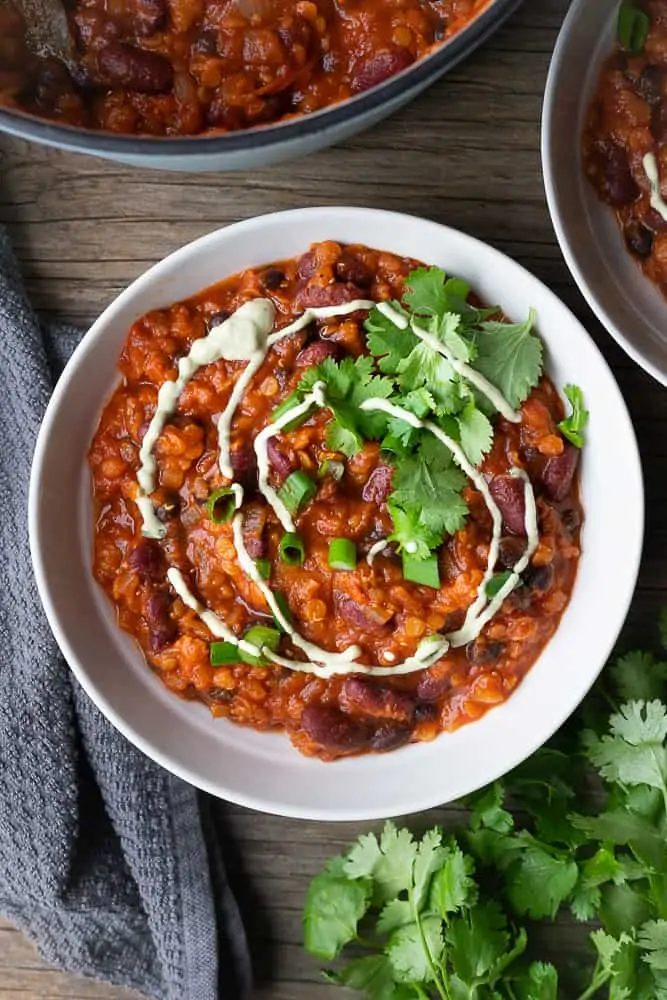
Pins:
x,y
281,601
342,554
222,653
497,582
221,505
297,490
260,636
422,571
288,404
292,551
331,467
263,568
632,27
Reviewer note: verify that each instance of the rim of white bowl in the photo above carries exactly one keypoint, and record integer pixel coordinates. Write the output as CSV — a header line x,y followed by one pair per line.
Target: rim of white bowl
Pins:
x,y
409,804
557,67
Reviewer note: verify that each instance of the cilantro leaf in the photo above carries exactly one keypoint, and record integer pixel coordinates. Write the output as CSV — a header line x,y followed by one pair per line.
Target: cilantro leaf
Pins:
x,y
475,431
431,855
487,809
540,982
334,906
348,384
634,753
510,356
573,426
409,531
374,975
396,913
429,481
387,342
538,882
639,677
453,887
406,952
389,862
425,367
426,295
476,940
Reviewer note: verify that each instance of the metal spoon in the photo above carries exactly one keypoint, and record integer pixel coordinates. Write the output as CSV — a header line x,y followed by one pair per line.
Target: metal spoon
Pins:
x,y
47,30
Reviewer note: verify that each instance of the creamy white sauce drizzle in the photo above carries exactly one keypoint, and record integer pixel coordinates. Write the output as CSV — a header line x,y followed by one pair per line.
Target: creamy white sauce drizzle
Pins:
x,y
213,622
657,202
239,338
314,398
471,628
393,315
246,336
478,380
479,611
375,550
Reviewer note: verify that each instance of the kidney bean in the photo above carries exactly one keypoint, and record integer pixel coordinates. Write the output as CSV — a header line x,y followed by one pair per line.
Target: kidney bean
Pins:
x,y
649,85
122,65
254,524
379,68
281,463
148,16
162,630
378,485
147,560
571,519
390,736
434,683
508,493
272,278
617,185
659,122
360,615
333,730
328,295
510,551
558,473
316,352
539,578
376,700
655,222
638,238
307,265
244,463
350,269
480,651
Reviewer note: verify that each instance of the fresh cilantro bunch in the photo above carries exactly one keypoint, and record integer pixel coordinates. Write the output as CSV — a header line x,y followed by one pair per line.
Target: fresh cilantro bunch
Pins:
x,y
444,917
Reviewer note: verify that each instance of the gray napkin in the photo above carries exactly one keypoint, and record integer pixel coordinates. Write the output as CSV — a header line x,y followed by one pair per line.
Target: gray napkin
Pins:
x,y
108,862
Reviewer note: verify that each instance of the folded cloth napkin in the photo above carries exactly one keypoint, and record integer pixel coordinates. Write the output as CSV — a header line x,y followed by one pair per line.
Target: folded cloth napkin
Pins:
x,y
108,862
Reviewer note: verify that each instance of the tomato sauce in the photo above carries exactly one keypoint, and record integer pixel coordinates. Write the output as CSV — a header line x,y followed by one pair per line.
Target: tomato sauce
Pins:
x,y
372,606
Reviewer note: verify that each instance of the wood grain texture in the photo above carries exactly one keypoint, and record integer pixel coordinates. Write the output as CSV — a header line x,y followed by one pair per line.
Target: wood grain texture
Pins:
x,y
467,154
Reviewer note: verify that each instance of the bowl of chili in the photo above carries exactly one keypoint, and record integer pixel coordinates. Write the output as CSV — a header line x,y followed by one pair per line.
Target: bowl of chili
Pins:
x,y
603,188
184,87
313,515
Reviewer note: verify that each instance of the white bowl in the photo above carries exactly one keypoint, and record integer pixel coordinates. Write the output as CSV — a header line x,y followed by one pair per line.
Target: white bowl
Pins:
x,y
624,300
263,770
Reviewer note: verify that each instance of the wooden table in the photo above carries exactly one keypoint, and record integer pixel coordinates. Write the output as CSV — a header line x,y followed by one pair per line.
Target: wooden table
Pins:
x,y
467,154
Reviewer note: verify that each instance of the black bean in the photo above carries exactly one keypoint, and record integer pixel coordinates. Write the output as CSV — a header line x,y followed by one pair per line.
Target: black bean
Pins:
x,y
480,651
539,578
426,712
638,238
618,186
659,122
272,278
207,43
216,319
649,85
571,519
510,551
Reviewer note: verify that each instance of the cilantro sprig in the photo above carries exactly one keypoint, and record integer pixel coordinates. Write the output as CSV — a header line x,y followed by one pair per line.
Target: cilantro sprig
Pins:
x,y
442,918
573,426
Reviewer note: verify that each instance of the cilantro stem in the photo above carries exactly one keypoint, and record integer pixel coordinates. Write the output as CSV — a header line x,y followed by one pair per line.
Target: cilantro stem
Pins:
x,y
600,977
440,984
